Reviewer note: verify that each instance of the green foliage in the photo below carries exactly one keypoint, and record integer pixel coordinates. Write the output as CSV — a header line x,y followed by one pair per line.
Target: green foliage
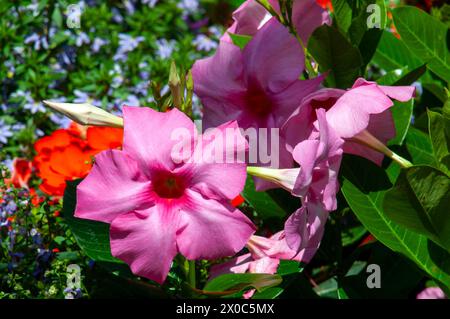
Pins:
x,y
426,37
336,55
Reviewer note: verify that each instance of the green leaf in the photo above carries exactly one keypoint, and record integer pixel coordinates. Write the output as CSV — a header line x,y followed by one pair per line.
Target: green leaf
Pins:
x,y
239,282
419,147
439,127
401,113
240,40
446,108
264,205
419,201
334,53
364,186
426,37
91,236
269,293
288,267
393,54
399,276
362,23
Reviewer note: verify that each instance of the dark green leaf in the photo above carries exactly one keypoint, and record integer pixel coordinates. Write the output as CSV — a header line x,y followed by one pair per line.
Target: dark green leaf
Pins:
x,y
91,236
401,113
264,205
439,128
364,186
288,267
334,53
419,146
419,201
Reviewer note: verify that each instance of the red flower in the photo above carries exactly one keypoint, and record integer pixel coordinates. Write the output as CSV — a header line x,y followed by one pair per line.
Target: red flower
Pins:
x,y
325,4
21,173
67,154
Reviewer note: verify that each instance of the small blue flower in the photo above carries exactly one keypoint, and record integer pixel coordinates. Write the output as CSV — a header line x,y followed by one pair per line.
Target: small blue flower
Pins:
x,y
164,48
5,132
37,40
150,3
188,6
204,43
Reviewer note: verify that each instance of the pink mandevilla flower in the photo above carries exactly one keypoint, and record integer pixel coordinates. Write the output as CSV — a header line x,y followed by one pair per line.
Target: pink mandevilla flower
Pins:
x,y
158,205
258,86
364,107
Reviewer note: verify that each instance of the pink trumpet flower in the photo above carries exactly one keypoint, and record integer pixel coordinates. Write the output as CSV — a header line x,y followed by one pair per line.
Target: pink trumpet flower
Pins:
x,y
257,86
161,202
315,181
356,115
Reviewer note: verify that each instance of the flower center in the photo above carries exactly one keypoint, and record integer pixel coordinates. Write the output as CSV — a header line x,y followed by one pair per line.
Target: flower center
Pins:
x,y
258,103
168,185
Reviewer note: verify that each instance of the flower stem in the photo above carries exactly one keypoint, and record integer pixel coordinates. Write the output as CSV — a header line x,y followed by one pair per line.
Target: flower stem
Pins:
x,y
192,279
367,139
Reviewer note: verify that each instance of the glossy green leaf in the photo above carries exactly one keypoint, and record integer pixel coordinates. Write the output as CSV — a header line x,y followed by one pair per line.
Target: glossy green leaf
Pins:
x,y
392,54
419,147
419,201
238,282
289,267
264,205
91,236
439,127
364,186
426,37
336,55
401,113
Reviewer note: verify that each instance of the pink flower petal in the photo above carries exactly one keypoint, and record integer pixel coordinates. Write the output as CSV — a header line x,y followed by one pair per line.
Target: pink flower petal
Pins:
x,y
382,127
304,230
146,241
247,19
237,265
210,229
307,16
114,186
263,62
351,113
150,136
